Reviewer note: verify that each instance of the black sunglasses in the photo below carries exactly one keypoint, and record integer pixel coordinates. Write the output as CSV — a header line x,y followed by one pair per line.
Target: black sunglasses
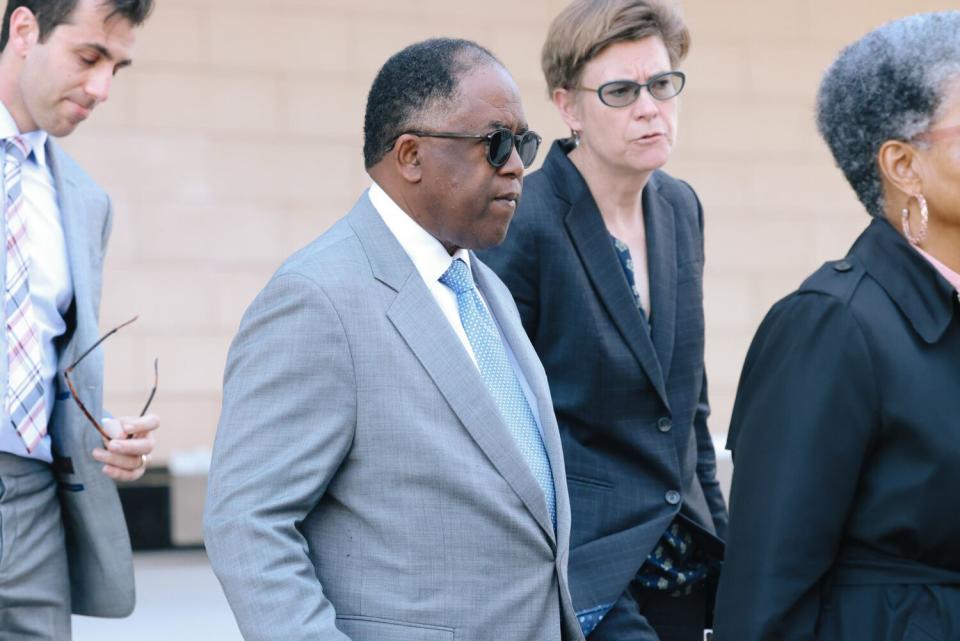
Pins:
x,y
500,144
622,93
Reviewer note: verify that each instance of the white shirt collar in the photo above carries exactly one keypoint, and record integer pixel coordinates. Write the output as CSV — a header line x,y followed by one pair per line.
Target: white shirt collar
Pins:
x,y
427,253
36,138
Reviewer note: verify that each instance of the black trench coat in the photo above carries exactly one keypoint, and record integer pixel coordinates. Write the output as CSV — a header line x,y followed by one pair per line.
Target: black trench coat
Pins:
x,y
845,506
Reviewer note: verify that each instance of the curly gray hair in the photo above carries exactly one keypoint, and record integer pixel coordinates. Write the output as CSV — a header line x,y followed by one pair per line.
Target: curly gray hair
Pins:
x,y
889,85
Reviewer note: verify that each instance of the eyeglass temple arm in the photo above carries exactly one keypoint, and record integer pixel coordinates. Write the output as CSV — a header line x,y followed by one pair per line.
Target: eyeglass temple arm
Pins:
x,y
86,412
153,392
447,134
97,344
83,408
73,390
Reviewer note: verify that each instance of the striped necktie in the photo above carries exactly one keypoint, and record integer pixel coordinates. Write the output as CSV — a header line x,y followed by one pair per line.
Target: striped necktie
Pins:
x,y
24,402
501,380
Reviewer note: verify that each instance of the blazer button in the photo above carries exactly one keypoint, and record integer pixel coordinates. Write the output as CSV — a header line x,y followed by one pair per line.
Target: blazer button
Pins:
x,y
673,497
664,425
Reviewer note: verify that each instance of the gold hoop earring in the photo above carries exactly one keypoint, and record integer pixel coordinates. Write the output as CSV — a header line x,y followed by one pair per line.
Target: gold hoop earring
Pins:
x,y
924,221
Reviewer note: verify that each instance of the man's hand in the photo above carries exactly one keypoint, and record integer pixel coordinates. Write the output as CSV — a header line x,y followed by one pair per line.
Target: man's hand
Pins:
x,y
127,453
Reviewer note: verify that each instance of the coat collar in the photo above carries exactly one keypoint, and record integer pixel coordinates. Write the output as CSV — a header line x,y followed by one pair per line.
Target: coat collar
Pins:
x,y
915,286
653,348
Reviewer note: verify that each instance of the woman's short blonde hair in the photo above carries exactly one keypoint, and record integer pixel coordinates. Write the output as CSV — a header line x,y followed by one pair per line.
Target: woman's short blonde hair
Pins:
x,y
587,27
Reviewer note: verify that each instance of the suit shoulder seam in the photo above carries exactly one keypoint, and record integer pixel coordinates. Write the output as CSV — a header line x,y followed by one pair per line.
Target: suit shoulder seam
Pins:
x,y
843,303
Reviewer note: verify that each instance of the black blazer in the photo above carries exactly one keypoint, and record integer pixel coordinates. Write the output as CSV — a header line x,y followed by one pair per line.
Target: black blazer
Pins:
x,y
631,406
846,434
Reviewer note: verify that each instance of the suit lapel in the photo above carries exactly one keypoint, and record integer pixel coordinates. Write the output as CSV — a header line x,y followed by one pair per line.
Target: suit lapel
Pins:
x,y
78,247
660,225
592,241
504,310
425,330
70,433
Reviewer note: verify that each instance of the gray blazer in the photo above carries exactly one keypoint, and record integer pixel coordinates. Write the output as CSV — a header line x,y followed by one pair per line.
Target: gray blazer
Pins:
x,y
98,546
364,485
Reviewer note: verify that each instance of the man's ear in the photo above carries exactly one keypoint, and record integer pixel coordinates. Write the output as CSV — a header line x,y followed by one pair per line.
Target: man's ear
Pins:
x,y
406,154
902,166
24,31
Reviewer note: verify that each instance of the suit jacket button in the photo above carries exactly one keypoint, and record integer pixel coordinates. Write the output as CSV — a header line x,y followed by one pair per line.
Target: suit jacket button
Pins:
x,y
673,497
842,266
664,425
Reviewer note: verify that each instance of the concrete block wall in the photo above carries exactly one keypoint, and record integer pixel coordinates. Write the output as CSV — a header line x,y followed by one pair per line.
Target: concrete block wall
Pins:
x,y
235,138
776,206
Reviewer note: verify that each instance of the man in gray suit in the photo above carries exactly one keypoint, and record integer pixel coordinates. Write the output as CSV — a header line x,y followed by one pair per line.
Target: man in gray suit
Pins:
x,y
63,540
387,465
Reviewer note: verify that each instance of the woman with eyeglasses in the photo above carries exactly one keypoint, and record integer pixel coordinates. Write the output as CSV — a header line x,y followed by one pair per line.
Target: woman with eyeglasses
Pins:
x,y
846,431
605,260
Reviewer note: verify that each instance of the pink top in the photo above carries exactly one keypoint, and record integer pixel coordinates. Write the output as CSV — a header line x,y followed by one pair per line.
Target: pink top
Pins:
x,y
952,277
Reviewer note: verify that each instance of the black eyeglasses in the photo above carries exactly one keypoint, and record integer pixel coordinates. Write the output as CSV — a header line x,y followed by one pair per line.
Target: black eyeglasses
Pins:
x,y
500,144
76,398
623,93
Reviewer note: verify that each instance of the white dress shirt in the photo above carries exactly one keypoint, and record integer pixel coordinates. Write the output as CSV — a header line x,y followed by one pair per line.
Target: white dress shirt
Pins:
x,y
432,260
51,288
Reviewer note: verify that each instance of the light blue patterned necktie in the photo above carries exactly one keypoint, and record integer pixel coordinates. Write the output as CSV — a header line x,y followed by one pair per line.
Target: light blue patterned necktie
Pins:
x,y
500,378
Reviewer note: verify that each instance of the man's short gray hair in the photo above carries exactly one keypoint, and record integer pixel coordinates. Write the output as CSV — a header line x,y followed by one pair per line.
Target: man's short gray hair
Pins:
x,y
889,85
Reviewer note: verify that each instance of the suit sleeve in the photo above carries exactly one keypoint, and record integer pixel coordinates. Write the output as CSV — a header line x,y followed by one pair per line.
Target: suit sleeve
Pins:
x,y
287,424
707,464
802,425
706,453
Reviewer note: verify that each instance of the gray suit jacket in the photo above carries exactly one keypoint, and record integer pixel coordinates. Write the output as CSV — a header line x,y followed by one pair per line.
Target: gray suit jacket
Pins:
x,y
364,485
98,546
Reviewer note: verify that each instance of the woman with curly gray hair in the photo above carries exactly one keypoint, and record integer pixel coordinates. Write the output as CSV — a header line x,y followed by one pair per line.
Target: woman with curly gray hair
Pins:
x,y
846,430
